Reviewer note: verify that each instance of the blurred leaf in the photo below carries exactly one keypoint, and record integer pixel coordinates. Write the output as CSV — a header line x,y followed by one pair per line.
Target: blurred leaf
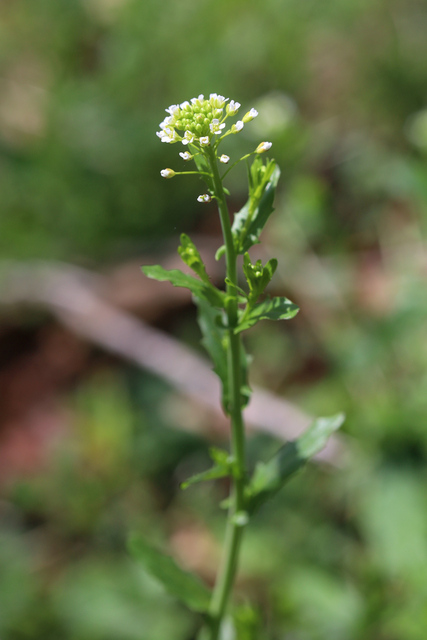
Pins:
x,y
104,598
179,583
222,468
18,585
394,521
269,477
278,308
247,623
328,607
200,289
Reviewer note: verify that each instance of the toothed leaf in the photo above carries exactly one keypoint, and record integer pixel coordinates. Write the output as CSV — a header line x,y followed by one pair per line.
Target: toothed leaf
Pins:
x,y
278,308
203,290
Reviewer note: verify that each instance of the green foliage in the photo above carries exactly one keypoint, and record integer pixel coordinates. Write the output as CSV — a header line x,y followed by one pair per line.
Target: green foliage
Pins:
x,y
181,584
271,476
103,597
202,165
251,219
203,290
257,276
278,308
222,468
190,255
215,339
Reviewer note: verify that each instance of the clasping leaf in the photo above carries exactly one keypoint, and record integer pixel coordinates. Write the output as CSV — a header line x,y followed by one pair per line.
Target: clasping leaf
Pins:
x,y
251,219
271,476
222,468
216,342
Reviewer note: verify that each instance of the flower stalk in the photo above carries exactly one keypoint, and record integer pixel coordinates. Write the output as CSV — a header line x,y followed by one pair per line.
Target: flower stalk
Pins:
x,y
201,126
234,529
197,123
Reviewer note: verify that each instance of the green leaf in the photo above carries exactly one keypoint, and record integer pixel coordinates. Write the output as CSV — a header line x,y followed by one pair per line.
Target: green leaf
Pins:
x,y
210,474
222,468
216,342
179,583
278,308
271,476
316,437
191,256
251,219
203,290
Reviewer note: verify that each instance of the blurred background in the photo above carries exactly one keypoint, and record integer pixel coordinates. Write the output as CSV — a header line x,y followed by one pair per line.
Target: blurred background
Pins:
x,y
95,437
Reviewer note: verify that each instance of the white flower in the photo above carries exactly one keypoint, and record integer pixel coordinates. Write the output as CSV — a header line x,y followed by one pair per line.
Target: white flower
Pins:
x,y
204,141
237,127
188,137
166,122
263,146
215,127
232,108
167,173
217,101
198,101
173,110
185,104
224,159
167,135
185,155
205,197
250,115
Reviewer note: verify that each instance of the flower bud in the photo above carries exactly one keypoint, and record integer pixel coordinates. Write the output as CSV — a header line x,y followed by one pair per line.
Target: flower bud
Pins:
x,y
237,127
263,146
250,115
167,173
232,108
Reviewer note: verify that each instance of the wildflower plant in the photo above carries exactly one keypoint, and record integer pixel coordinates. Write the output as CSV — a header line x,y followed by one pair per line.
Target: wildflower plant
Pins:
x,y
224,314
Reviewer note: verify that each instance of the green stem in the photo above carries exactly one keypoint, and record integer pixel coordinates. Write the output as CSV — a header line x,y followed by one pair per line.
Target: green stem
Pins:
x,y
234,530
248,155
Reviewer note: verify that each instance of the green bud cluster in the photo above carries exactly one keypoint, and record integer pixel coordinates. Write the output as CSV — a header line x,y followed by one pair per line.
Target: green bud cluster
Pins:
x,y
197,118
197,121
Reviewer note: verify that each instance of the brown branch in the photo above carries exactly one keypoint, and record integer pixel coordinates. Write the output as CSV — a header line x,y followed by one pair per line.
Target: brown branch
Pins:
x,y
73,296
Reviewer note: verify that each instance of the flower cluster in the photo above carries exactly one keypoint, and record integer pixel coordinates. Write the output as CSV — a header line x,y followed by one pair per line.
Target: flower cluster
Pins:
x,y
196,122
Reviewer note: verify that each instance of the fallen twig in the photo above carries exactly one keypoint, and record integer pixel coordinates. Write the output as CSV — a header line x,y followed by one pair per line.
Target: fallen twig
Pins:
x,y
73,296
